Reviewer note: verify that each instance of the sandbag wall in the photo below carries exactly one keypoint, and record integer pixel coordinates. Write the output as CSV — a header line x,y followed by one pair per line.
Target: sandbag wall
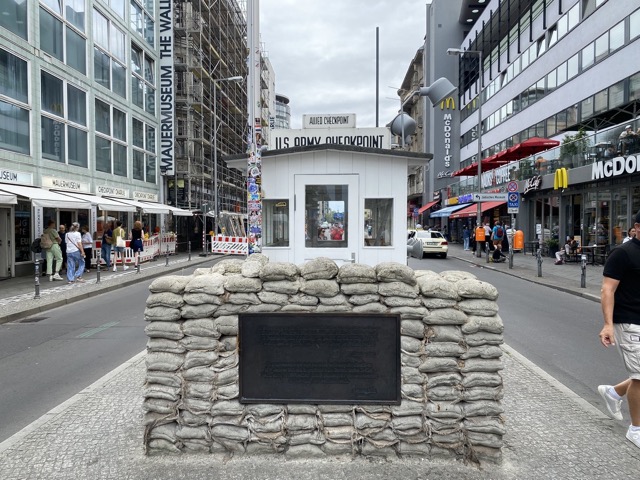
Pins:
x,y
450,341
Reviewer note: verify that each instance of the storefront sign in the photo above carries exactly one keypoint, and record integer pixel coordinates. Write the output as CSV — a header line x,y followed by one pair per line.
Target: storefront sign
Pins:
x,y
167,106
104,190
447,139
447,174
342,120
65,184
145,196
361,137
11,176
532,183
615,167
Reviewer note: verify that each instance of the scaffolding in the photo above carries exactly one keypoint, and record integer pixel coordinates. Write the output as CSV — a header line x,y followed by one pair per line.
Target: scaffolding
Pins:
x,y
209,44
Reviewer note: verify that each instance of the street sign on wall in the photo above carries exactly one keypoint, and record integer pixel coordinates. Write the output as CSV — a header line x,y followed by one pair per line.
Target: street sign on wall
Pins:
x,y
489,197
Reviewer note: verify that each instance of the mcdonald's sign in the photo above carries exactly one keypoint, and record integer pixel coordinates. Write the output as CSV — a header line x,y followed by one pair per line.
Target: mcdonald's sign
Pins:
x,y
560,179
449,103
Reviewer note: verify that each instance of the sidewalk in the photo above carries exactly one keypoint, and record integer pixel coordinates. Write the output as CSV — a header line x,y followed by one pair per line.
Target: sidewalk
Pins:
x,y
17,294
551,432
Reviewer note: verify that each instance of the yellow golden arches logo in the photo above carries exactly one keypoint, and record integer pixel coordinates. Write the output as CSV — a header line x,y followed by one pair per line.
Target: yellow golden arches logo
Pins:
x,y
449,103
560,179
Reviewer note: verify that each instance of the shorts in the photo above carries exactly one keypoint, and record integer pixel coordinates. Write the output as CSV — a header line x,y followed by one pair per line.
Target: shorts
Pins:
x,y
628,343
137,245
118,249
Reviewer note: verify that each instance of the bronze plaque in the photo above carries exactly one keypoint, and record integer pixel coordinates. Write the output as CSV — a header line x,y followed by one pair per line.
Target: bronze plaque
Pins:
x,y
319,358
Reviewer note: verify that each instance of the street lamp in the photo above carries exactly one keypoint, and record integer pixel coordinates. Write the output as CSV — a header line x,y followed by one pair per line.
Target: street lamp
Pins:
x,y
478,53
215,147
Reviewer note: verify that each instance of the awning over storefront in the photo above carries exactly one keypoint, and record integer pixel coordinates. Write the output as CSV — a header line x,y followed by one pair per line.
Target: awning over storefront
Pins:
x,y
446,211
103,203
154,208
8,199
44,198
472,210
427,206
522,150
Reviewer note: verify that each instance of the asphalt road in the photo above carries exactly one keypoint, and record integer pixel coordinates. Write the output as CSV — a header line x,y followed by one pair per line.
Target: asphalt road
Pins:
x,y
45,360
557,331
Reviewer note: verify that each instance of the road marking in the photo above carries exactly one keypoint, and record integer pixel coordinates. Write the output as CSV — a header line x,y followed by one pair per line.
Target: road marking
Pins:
x,y
99,329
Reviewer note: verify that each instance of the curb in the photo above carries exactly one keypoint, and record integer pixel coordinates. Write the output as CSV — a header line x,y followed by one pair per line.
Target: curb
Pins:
x,y
48,305
585,295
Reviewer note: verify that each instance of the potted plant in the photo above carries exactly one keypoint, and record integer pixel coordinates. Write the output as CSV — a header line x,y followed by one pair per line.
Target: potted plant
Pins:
x,y
574,148
552,246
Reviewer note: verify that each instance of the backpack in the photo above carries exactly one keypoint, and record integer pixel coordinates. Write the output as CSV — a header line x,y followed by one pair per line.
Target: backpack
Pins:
x,y
35,246
45,240
499,231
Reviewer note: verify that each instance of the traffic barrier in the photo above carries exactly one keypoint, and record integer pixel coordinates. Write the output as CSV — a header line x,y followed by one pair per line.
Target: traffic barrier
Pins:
x,y
152,247
229,245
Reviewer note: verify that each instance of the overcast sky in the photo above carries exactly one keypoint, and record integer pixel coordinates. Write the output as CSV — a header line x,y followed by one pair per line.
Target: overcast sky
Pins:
x,y
323,53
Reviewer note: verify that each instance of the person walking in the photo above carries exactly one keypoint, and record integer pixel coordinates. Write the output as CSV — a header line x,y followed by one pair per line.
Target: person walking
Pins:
x,y
466,237
118,241
87,246
75,254
630,234
488,245
621,312
62,232
53,253
105,248
136,241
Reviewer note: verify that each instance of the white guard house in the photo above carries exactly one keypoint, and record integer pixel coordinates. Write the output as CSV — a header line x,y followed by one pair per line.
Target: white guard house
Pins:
x,y
344,202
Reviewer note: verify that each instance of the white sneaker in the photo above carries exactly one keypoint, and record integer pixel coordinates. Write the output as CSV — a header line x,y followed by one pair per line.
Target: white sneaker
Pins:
x,y
114,268
125,268
634,437
57,277
613,406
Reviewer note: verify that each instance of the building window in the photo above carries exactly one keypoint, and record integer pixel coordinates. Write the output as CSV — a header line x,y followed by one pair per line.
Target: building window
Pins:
x,y
144,152
142,20
13,16
602,46
63,122
326,212
13,77
616,37
378,222
634,25
588,56
14,128
143,92
109,57
150,147
63,27
111,139
276,223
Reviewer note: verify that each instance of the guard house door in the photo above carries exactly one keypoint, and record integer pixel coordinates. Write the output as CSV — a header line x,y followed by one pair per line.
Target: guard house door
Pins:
x,y
326,218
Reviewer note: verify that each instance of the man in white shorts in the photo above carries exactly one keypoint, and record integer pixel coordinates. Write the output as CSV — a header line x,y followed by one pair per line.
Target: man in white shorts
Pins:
x,y
621,311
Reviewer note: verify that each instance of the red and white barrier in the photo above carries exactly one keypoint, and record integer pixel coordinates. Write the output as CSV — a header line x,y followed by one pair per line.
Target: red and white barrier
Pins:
x,y
229,245
153,247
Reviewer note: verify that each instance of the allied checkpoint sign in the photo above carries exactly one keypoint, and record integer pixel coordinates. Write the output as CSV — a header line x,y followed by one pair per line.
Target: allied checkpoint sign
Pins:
x,y
337,358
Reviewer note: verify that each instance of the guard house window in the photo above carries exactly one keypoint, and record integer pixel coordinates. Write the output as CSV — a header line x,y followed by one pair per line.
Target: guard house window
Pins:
x,y
378,222
276,223
326,215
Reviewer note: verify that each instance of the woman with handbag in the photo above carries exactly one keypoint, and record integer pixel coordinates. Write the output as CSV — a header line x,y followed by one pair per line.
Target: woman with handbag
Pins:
x,y
118,239
75,254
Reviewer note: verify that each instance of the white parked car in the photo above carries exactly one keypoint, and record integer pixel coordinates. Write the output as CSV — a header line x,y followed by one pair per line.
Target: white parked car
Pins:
x,y
433,242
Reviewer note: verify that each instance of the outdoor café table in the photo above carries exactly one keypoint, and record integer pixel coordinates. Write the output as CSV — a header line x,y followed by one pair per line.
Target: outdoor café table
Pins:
x,y
592,251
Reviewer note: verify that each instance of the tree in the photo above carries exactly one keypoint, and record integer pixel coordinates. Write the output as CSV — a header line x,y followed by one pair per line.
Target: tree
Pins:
x,y
573,148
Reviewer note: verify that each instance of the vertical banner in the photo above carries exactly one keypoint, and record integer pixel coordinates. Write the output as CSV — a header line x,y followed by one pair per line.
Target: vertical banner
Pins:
x,y
167,104
254,124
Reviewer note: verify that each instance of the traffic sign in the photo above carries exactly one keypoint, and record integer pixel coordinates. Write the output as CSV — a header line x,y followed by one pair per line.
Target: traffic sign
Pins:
x,y
512,186
489,197
513,201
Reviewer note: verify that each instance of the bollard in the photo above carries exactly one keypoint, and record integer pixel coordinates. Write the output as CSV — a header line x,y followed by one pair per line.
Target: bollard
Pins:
x,y
583,268
98,252
539,260
189,249
510,256
37,295
167,256
488,252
